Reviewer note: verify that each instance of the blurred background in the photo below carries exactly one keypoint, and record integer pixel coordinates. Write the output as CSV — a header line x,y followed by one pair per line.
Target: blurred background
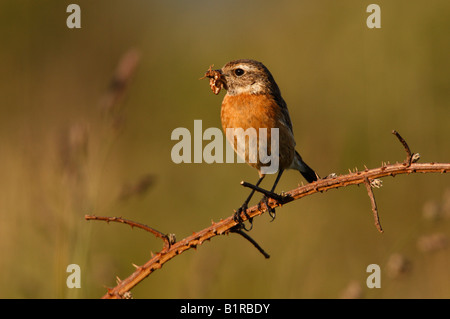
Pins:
x,y
73,143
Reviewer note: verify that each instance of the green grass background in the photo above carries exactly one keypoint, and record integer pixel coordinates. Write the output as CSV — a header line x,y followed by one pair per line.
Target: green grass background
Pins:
x,y
346,86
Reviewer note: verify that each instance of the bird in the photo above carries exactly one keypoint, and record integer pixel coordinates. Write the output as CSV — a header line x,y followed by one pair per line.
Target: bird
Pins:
x,y
254,100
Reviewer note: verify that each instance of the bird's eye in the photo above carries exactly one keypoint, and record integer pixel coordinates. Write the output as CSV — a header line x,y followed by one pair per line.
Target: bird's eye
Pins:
x,y
238,72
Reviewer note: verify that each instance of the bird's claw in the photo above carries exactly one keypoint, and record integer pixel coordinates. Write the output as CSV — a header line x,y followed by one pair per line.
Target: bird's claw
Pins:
x,y
237,217
270,210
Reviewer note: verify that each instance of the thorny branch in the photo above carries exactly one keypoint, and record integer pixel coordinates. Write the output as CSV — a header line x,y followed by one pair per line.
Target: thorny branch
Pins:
x,y
368,177
168,239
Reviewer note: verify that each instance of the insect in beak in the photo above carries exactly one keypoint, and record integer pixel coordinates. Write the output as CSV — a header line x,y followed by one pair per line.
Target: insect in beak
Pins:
x,y
217,80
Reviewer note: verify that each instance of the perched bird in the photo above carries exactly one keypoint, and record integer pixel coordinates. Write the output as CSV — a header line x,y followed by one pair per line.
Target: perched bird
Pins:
x,y
253,100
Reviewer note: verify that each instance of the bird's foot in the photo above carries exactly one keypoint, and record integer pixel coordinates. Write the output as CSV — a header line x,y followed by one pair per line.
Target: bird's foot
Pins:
x,y
237,217
270,210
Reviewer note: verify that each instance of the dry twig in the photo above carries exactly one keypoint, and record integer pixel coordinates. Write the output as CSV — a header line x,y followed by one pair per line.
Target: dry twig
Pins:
x,y
374,204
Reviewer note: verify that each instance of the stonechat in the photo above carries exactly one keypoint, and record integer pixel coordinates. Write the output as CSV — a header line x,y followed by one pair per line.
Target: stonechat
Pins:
x,y
254,100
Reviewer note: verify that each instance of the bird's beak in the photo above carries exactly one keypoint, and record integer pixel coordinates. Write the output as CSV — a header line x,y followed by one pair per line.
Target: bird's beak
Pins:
x,y
222,78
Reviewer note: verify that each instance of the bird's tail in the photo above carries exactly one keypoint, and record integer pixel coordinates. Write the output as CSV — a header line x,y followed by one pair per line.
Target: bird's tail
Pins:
x,y
307,172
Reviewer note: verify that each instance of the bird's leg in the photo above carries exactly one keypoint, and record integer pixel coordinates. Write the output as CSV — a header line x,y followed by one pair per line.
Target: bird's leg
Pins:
x,y
244,206
265,199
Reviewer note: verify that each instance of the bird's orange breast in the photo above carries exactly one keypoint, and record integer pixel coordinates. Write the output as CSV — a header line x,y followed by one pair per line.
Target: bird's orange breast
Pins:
x,y
249,110
258,111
